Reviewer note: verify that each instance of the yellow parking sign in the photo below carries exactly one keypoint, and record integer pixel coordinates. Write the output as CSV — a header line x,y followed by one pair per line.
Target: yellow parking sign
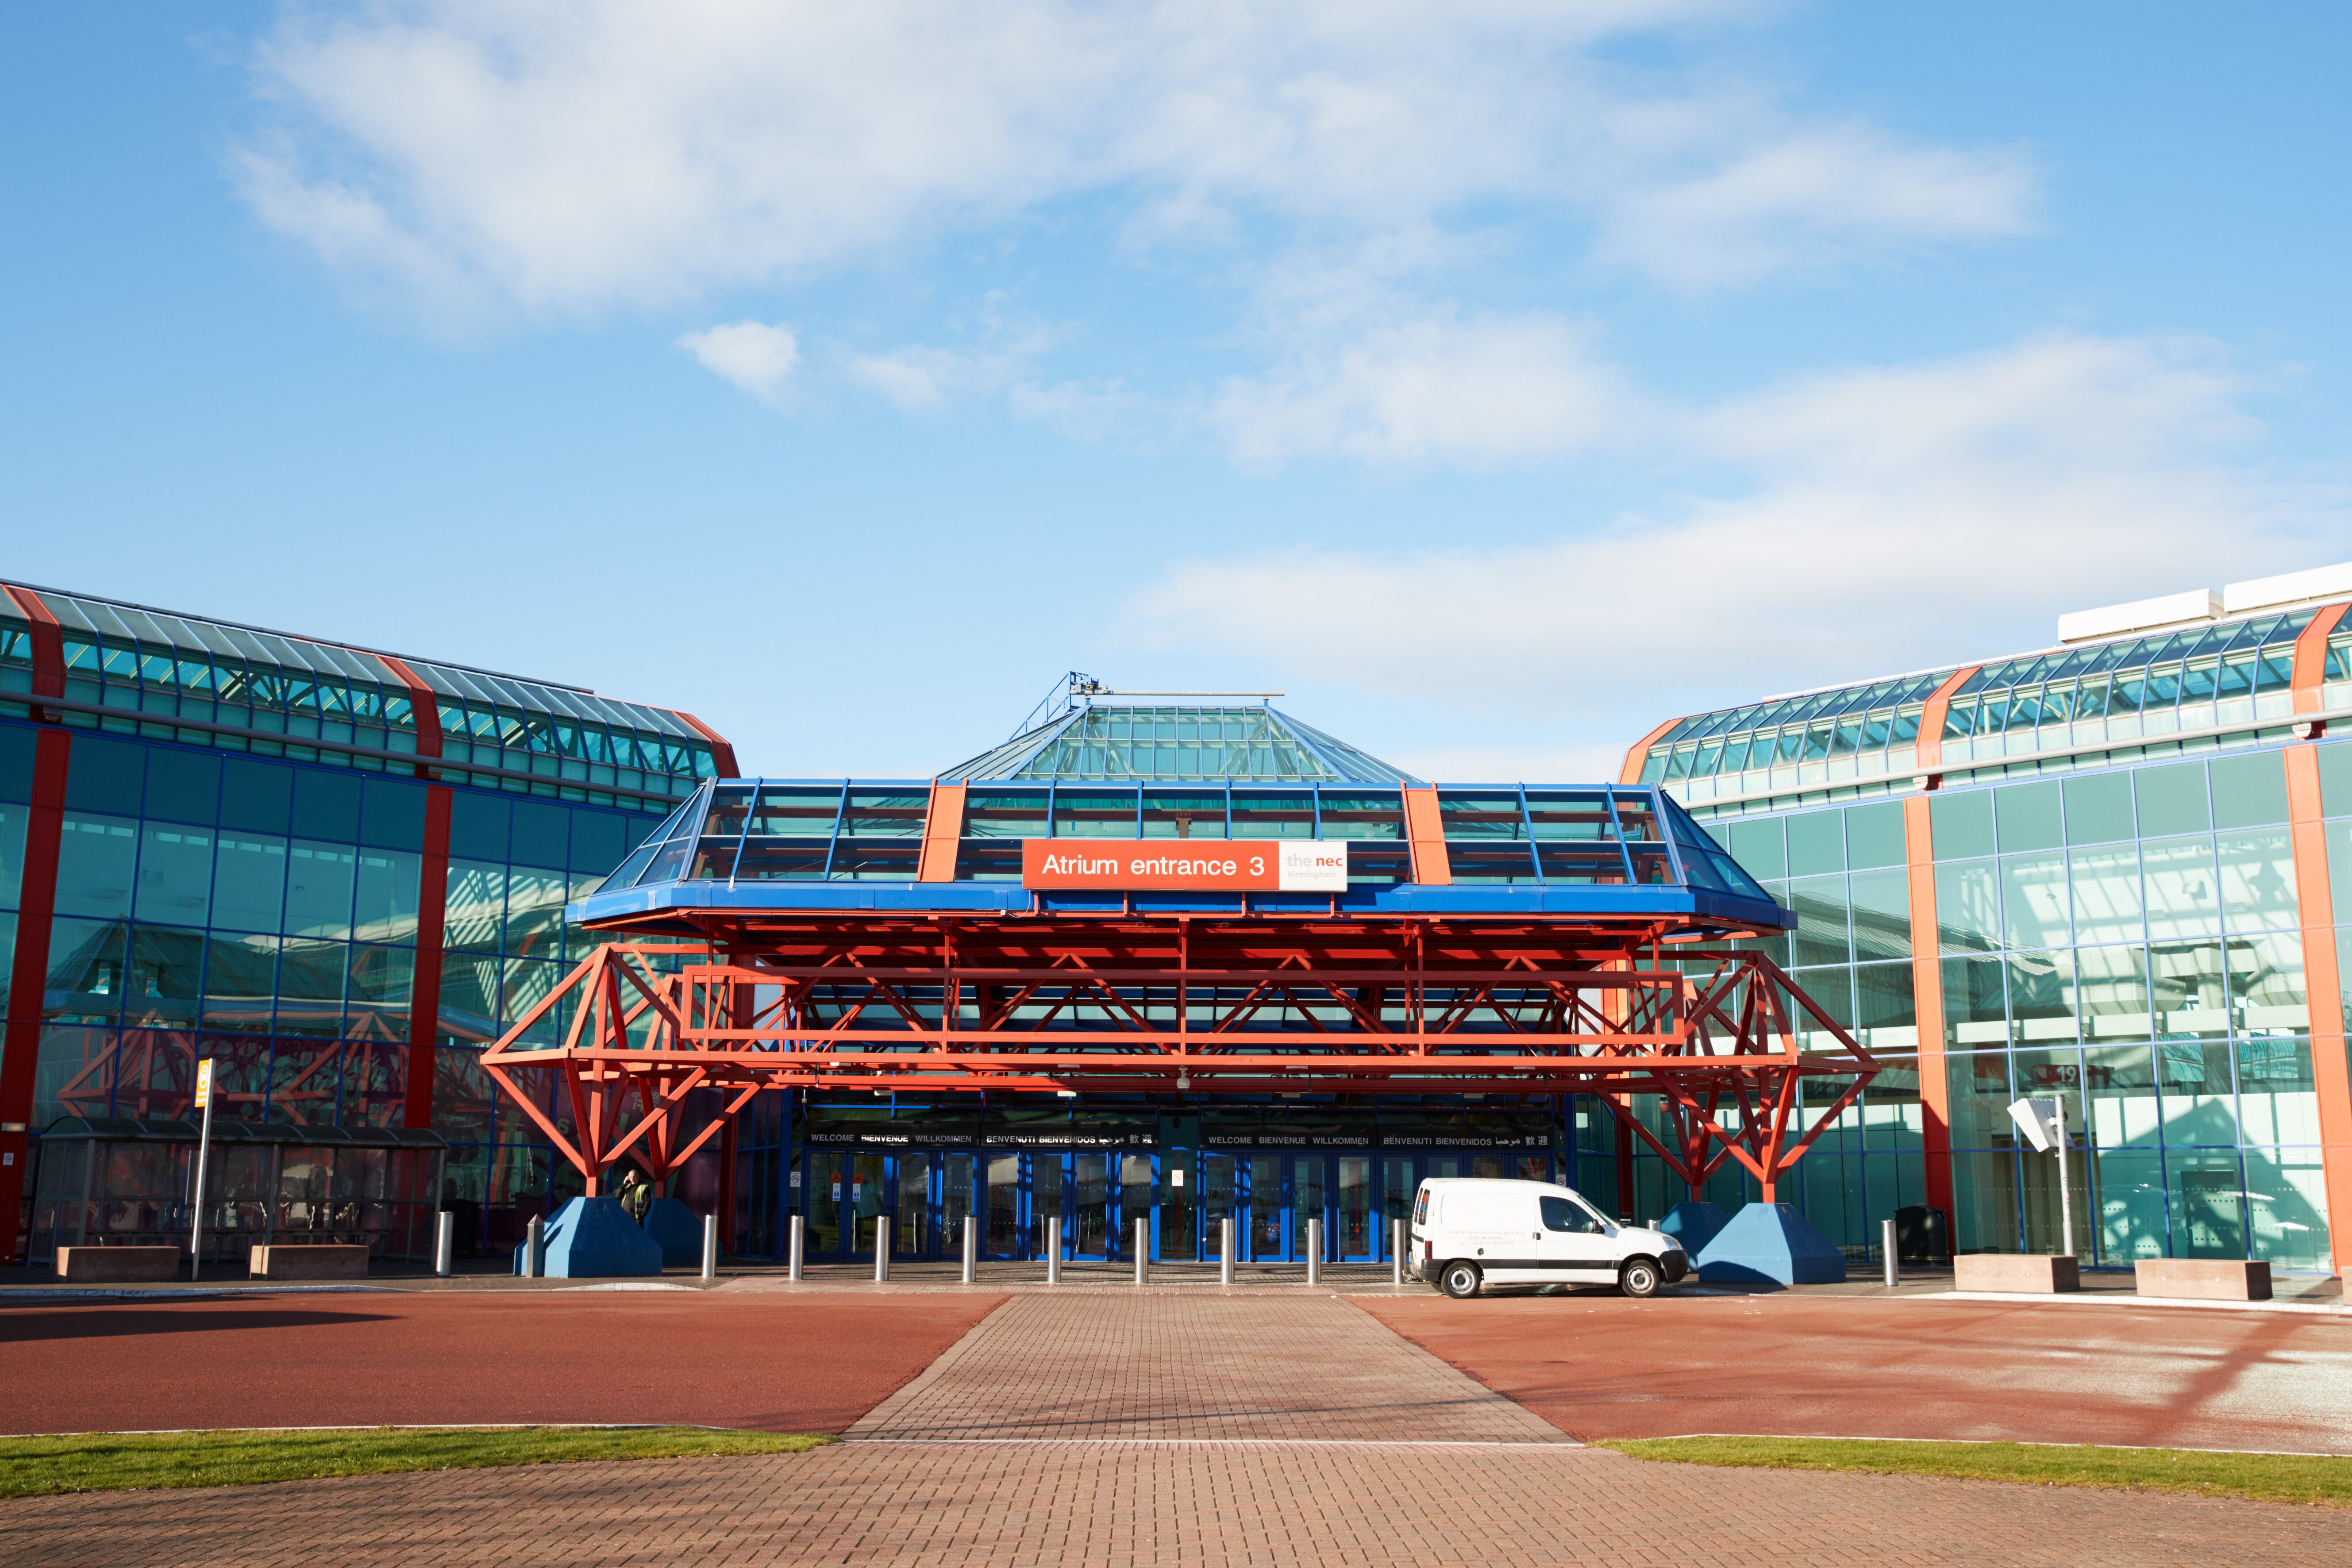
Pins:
x,y
204,1083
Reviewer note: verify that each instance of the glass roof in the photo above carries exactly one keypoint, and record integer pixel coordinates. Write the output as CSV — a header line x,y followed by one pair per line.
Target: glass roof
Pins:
x,y
1231,743
89,616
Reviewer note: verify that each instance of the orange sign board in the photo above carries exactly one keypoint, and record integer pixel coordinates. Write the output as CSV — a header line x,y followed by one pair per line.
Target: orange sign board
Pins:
x,y
1267,865
204,1082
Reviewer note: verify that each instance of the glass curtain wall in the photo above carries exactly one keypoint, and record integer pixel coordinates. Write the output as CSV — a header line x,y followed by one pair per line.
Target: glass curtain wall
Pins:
x,y
2127,940
267,914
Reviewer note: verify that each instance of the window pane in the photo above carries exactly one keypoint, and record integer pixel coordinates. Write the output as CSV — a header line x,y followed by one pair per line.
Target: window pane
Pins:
x,y
385,905
1968,906
2033,902
175,874
2266,985
2129,1191
2119,1086
475,915
2041,995
2111,985
2182,900
1820,935
2106,894
249,883
319,891
2194,1078
1975,1016
95,860
1882,913
2258,882
85,979
2286,1200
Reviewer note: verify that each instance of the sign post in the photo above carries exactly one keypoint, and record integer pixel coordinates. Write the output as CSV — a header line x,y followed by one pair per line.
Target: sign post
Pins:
x,y
2043,1123
203,1148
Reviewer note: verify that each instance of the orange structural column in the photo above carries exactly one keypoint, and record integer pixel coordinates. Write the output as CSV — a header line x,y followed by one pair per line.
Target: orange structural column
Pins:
x,y
2311,657
1424,831
942,835
2331,1074
1927,1001
1928,749
1639,753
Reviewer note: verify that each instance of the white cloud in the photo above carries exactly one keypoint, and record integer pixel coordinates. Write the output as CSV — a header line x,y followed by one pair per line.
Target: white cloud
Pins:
x,y
755,356
914,379
567,157
1813,197
1897,517
1474,392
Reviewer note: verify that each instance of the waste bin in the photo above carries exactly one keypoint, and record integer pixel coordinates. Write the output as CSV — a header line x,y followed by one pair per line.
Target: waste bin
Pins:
x,y
1923,1236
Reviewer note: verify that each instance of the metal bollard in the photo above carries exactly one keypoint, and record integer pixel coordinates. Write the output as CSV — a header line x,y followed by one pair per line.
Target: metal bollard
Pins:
x,y
1399,1240
445,1245
710,1246
1225,1251
970,1248
1315,1251
534,1249
1054,1250
881,1248
799,1250
1142,1246
1893,1263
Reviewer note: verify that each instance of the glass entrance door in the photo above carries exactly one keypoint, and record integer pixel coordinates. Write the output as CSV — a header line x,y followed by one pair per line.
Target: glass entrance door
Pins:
x,y
1217,1204
1306,1197
1352,1237
1090,1217
1397,1187
1137,1190
1001,1234
865,1203
1045,1189
1267,1206
906,1240
1179,1203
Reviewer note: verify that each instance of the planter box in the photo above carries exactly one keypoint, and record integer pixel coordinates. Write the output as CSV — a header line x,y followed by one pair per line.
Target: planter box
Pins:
x,y
116,1264
2011,1273
2204,1279
331,1261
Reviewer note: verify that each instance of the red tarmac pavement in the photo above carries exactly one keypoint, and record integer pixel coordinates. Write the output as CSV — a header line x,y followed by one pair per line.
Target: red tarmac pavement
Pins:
x,y
1602,1366
809,1363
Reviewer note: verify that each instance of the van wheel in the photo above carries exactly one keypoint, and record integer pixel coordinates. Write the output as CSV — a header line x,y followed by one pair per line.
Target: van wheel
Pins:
x,y
1639,1277
1460,1281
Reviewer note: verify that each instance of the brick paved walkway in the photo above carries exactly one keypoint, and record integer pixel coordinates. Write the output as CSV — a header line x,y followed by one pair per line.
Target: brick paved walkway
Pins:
x,y
1112,1505
1163,1428
1172,1366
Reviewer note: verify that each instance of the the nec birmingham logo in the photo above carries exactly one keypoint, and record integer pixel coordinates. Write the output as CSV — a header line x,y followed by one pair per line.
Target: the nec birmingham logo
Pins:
x,y
1280,865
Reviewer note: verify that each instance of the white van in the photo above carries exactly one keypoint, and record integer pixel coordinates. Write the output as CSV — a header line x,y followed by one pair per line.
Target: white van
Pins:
x,y
1469,1232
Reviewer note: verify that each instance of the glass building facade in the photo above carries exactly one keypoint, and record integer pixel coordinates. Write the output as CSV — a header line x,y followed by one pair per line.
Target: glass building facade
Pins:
x,y
337,872
2111,873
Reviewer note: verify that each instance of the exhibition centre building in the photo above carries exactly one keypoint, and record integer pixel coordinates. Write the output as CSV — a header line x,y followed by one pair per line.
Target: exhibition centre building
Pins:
x,y
467,940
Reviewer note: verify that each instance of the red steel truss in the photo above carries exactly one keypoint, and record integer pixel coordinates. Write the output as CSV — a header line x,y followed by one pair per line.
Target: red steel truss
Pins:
x,y
1194,1004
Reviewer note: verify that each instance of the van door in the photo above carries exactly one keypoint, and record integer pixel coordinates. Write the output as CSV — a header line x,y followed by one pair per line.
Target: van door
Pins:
x,y
1576,1246
1494,1226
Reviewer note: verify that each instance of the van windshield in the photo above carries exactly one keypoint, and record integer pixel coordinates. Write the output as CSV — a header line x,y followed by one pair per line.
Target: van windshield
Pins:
x,y
1564,1214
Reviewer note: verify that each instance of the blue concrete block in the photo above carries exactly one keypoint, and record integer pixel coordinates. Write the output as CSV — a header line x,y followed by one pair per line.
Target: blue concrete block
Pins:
x,y
677,1229
1694,1225
593,1239
1770,1244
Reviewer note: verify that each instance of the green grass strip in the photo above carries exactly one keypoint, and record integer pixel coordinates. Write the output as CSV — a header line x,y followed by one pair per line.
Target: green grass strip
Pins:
x,y
2262,1478
111,1462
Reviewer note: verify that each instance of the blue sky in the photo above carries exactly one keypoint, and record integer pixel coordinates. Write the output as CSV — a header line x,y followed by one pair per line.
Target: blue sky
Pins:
x,y
1496,379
